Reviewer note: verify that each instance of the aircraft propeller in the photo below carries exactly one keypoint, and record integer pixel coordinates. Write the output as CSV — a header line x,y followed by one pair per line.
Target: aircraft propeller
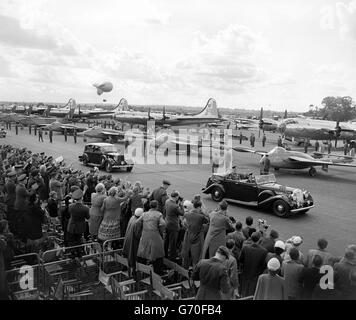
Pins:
x,y
261,123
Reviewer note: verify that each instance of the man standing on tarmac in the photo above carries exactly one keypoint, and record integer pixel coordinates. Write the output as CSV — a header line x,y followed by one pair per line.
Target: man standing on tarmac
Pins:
x,y
264,138
75,135
265,164
40,135
50,134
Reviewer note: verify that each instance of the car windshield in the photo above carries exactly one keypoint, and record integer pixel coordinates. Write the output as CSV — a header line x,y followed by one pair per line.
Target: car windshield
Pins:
x,y
109,149
263,179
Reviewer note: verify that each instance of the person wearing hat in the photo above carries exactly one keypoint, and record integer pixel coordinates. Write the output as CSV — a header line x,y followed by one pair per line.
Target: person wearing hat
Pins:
x,y
160,195
213,276
20,204
76,224
57,186
174,209
279,248
192,246
253,262
151,247
95,212
111,208
270,286
132,239
220,225
265,164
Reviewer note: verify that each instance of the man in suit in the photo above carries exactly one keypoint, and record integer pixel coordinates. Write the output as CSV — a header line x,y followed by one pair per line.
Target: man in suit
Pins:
x,y
213,276
253,260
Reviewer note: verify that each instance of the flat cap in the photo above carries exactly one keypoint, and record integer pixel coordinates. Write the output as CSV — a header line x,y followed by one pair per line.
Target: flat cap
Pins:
x,y
166,182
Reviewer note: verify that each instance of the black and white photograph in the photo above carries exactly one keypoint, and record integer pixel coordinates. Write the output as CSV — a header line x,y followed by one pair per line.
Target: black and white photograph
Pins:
x,y
195,151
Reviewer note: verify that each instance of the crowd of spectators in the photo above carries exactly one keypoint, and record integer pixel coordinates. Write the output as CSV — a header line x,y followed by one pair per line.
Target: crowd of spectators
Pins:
x,y
229,259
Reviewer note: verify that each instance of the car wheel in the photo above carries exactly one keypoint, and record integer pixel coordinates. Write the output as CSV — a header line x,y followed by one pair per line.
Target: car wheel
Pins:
x,y
281,208
312,172
108,167
102,162
129,169
217,194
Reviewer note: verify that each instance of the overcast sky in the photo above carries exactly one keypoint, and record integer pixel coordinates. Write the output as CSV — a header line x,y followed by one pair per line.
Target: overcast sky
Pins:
x,y
276,54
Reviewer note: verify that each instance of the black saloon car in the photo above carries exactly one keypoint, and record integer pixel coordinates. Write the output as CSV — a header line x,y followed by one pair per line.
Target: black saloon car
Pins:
x,y
105,156
259,191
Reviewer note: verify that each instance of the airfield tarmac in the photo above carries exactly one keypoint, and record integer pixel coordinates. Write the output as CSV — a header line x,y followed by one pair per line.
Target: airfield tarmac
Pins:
x,y
334,215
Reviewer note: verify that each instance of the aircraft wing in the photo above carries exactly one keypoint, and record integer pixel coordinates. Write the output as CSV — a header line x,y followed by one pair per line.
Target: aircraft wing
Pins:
x,y
319,154
244,149
321,162
113,133
69,127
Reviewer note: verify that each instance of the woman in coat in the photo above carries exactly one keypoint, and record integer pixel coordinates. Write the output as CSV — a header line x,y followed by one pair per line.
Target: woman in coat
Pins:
x,y
111,208
220,225
151,246
132,239
96,215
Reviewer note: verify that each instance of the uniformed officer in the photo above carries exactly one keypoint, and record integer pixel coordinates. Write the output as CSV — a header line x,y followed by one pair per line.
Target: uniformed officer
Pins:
x,y
16,128
264,138
65,134
29,129
50,134
240,137
35,129
40,135
75,135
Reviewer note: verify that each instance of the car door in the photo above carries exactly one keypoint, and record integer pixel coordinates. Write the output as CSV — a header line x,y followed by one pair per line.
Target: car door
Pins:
x,y
97,155
242,191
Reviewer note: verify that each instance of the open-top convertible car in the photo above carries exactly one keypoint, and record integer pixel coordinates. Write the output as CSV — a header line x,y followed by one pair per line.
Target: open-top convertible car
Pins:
x,y
260,191
105,156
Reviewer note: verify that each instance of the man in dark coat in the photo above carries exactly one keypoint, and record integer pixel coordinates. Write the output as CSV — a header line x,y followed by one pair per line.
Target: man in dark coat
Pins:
x,y
253,260
40,135
132,239
345,274
213,276
264,139
10,189
160,195
174,209
50,134
78,213
310,277
194,236
21,202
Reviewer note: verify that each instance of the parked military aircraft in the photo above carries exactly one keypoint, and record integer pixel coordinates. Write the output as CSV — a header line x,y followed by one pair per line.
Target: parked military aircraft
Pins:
x,y
209,114
282,159
312,129
57,126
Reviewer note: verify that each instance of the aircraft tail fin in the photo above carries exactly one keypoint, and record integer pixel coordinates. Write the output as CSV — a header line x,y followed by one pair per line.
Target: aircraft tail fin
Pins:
x,y
122,106
210,110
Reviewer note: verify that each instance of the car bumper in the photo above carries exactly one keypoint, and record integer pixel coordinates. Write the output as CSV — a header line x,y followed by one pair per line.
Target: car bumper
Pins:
x,y
122,165
301,209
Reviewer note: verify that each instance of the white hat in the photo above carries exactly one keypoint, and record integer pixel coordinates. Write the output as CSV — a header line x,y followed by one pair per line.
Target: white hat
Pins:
x,y
273,264
280,244
138,212
297,240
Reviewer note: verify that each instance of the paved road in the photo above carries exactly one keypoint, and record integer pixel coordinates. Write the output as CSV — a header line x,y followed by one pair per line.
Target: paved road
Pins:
x,y
334,216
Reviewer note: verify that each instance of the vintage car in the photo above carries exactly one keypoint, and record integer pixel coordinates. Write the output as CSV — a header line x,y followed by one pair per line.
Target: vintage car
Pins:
x,y
260,191
105,156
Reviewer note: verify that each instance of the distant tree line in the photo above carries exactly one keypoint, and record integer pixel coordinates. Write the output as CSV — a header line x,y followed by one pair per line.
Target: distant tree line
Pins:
x,y
334,108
